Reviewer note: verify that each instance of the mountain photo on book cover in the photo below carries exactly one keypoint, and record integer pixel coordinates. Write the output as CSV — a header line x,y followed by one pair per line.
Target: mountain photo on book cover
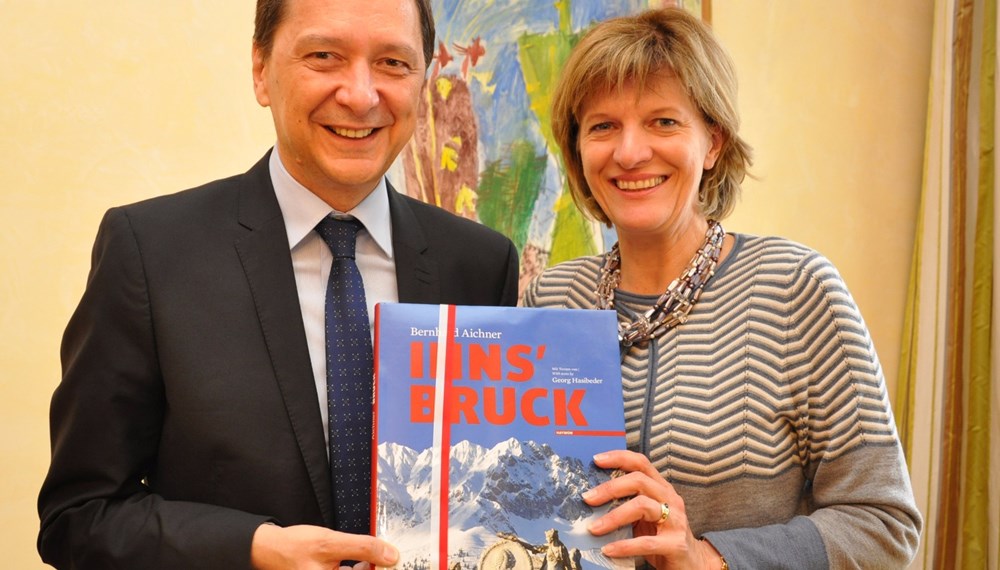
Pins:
x,y
481,461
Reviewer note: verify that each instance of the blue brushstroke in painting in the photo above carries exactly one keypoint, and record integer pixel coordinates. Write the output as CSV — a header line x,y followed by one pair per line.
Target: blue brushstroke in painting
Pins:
x,y
502,108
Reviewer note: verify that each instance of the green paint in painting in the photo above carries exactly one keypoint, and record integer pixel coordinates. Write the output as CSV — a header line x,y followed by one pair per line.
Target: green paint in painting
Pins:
x,y
508,190
565,18
542,58
574,235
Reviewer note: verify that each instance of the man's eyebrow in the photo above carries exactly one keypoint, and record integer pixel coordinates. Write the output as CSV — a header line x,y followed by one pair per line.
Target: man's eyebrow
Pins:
x,y
403,48
316,39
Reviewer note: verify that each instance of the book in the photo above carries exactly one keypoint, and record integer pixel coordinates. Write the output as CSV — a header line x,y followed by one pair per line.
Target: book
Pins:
x,y
486,423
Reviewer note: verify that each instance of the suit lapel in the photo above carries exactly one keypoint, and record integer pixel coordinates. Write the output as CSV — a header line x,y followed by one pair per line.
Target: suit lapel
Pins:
x,y
416,272
267,264
268,267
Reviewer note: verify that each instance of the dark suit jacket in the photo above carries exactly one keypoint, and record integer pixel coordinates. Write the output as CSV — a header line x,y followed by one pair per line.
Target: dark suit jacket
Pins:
x,y
187,414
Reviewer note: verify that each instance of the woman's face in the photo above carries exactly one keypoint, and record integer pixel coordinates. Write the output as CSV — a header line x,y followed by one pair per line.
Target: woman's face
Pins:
x,y
643,153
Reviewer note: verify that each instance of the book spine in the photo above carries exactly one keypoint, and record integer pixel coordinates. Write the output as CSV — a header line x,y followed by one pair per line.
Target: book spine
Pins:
x,y
373,516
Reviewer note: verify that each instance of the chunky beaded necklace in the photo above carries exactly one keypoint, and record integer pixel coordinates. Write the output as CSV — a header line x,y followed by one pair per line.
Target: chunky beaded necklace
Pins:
x,y
675,303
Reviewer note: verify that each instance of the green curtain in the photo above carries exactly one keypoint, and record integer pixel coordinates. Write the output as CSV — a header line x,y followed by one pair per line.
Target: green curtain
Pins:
x,y
948,395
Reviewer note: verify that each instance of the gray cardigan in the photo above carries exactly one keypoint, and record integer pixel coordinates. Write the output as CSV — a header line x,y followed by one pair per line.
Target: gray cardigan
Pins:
x,y
767,411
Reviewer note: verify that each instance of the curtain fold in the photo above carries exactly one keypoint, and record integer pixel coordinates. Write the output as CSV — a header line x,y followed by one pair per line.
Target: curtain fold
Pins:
x,y
948,399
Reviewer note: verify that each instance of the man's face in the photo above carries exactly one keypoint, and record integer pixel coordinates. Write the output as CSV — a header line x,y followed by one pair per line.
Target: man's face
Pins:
x,y
343,81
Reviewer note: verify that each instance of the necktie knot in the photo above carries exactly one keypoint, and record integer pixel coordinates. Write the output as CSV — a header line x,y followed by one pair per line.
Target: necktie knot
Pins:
x,y
340,235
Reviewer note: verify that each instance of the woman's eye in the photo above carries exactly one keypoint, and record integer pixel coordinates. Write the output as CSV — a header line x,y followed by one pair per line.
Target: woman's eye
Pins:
x,y
598,127
666,122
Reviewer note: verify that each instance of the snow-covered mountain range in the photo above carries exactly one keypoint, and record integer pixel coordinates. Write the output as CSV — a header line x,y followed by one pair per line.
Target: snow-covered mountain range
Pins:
x,y
516,487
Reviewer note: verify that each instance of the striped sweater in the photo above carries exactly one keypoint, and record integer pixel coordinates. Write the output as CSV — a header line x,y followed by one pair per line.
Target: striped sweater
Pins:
x,y
767,411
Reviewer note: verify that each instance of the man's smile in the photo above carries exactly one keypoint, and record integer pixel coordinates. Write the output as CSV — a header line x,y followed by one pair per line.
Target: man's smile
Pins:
x,y
351,133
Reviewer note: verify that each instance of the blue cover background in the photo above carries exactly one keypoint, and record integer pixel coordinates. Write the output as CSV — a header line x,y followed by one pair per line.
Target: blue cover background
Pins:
x,y
585,339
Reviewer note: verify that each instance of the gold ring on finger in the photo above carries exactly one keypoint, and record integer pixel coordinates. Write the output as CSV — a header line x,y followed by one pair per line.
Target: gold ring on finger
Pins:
x,y
664,513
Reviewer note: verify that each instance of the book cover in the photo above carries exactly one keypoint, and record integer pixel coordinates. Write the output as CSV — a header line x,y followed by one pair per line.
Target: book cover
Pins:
x,y
487,420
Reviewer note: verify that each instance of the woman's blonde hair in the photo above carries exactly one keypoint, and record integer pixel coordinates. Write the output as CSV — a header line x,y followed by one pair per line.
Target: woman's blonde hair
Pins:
x,y
632,49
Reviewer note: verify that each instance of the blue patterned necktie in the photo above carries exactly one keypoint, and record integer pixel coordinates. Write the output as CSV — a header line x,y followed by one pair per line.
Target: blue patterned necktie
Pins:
x,y
348,379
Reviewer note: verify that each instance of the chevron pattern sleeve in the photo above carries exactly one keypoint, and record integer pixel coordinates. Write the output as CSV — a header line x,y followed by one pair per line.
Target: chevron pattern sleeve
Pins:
x,y
861,500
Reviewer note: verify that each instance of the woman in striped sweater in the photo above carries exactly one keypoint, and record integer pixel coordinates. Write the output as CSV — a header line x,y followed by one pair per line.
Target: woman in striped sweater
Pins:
x,y
759,428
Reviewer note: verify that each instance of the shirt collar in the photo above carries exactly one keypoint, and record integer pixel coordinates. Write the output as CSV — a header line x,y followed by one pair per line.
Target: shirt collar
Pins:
x,y
302,209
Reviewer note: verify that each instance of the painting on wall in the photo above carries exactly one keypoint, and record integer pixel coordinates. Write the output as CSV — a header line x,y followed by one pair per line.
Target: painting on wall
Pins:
x,y
483,148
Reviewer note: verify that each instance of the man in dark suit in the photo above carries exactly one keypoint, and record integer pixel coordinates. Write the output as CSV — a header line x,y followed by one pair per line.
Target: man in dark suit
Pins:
x,y
190,426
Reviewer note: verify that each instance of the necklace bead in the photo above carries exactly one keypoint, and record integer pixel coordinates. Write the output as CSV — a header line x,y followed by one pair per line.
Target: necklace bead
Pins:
x,y
674,305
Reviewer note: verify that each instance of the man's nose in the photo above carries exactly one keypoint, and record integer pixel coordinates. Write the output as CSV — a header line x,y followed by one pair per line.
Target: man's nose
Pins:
x,y
358,92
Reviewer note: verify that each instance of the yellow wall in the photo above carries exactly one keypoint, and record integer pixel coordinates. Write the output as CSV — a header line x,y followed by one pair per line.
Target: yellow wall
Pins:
x,y
104,103
834,97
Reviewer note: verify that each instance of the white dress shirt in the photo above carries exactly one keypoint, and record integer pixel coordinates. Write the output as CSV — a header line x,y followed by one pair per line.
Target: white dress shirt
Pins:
x,y
311,259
